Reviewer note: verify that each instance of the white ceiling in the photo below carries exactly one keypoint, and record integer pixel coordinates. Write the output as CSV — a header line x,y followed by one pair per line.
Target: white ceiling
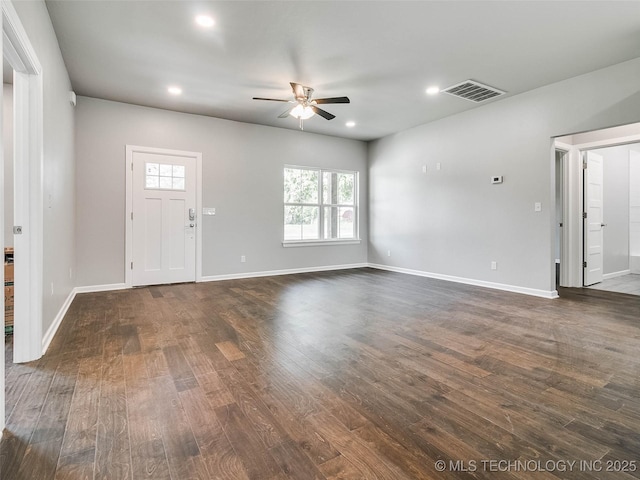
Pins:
x,y
381,54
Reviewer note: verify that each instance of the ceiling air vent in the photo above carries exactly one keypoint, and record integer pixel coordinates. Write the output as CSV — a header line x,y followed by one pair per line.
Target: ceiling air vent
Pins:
x,y
473,91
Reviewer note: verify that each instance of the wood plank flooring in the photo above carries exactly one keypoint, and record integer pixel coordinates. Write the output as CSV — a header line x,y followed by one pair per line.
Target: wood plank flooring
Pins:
x,y
358,374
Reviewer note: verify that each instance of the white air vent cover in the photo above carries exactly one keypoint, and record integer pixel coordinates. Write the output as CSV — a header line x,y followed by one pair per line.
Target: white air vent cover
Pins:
x,y
473,91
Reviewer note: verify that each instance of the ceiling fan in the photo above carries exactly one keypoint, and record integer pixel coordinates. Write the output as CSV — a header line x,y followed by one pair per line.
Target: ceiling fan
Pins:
x,y
305,107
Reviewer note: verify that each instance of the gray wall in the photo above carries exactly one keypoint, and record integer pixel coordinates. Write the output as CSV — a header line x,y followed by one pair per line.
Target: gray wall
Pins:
x,y
453,221
615,208
242,179
7,145
59,161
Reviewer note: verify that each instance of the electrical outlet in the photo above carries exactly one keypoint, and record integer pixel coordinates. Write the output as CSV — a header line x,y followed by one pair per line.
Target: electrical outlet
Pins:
x,y
388,253
424,169
494,265
243,259
438,166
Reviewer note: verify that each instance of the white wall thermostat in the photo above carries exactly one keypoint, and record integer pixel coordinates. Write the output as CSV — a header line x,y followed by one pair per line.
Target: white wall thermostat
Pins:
x,y
497,179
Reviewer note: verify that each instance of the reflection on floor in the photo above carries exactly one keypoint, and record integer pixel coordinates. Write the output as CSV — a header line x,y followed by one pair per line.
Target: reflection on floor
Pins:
x,y
626,284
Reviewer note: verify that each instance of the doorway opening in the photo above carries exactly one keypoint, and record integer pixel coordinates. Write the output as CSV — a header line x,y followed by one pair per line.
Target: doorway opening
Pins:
x,y
559,225
601,209
18,54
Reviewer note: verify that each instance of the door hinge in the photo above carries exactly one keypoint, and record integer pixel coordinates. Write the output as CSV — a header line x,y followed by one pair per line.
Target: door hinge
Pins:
x,y
132,166
584,164
131,215
584,214
131,265
584,264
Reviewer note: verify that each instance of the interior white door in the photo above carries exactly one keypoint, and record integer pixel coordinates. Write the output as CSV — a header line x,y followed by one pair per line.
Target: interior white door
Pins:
x,y
164,219
593,223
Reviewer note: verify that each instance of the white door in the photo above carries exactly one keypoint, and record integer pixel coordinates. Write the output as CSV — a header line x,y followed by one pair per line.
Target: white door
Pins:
x,y
593,224
163,218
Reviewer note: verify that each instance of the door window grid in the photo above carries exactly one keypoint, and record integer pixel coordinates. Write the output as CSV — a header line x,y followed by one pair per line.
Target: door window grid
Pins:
x,y
162,176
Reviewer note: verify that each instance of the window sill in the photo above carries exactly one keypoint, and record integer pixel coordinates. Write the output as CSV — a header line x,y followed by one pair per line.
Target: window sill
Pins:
x,y
318,243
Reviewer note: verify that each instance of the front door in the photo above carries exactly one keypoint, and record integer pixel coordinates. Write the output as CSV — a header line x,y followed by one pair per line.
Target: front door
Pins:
x,y
593,203
163,218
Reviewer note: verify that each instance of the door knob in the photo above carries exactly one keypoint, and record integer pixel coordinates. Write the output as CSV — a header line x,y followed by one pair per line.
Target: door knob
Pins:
x,y
603,224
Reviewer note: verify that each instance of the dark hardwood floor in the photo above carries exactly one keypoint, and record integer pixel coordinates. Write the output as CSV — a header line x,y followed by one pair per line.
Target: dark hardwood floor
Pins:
x,y
358,374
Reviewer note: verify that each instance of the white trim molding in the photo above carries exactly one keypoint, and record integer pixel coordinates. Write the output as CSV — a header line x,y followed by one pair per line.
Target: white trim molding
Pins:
x,y
290,271
28,90
48,336
469,281
101,288
46,340
319,243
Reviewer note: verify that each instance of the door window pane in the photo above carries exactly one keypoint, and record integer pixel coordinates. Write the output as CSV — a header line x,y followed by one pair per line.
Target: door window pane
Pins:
x,y
162,176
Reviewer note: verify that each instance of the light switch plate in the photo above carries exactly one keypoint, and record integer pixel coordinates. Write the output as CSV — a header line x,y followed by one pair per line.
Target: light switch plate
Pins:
x,y
208,211
537,207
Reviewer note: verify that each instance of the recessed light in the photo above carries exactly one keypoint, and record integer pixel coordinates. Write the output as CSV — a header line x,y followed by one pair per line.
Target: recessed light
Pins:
x,y
433,90
174,90
205,21
350,124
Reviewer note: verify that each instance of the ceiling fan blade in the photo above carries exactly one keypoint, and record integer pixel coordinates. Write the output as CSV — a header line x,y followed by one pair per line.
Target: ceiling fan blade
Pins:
x,y
320,101
323,113
271,99
298,90
286,113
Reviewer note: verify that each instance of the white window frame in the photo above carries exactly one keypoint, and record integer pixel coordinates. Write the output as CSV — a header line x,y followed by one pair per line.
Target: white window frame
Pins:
x,y
321,206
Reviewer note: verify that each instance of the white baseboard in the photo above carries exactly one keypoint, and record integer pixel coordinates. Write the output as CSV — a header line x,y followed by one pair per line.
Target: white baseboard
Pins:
x,y
272,273
621,273
469,281
46,340
101,288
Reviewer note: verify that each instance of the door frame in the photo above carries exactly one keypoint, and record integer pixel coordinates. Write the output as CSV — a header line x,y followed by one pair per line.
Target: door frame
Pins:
x,y
573,208
28,117
560,183
128,257
28,120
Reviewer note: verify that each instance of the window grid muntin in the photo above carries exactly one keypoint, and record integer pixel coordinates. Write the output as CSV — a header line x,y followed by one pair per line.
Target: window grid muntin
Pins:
x,y
164,176
322,205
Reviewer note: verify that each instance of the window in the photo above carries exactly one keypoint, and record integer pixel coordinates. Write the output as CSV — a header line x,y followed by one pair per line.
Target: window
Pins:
x,y
320,205
160,176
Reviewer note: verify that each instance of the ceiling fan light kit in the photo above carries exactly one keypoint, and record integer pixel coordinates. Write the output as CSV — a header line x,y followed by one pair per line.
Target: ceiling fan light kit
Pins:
x,y
302,112
305,106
